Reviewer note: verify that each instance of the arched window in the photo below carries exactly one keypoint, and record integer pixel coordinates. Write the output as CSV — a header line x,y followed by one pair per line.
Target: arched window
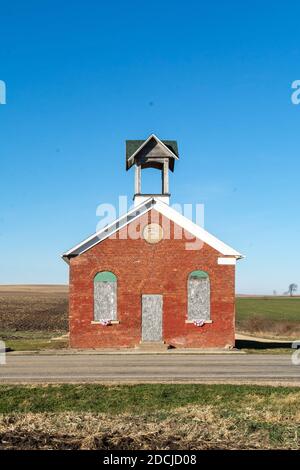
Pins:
x,y
105,296
198,296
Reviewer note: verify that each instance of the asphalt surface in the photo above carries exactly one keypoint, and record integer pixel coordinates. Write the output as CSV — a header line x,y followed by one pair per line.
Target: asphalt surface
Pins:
x,y
122,368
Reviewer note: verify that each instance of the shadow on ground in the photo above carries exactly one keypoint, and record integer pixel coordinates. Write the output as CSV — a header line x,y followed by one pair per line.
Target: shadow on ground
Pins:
x,y
261,345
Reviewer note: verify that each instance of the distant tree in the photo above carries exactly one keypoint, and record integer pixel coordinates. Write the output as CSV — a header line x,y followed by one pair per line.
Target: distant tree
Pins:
x,y
292,289
274,292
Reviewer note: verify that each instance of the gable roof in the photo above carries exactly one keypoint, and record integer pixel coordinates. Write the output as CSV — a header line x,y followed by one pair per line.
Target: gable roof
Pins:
x,y
133,147
137,212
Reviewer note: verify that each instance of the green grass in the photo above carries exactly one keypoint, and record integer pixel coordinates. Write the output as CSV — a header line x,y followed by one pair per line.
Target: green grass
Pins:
x,y
265,350
272,317
270,308
31,340
33,345
140,398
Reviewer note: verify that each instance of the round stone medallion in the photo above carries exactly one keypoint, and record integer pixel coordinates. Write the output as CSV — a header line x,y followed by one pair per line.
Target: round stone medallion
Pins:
x,y
153,233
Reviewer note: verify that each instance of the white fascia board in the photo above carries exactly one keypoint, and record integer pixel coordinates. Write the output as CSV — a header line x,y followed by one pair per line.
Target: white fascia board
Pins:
x,y
110,226
227,261
153,136
196,230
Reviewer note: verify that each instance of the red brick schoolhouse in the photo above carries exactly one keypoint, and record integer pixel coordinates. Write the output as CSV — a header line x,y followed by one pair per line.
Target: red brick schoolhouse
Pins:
x,y
152,277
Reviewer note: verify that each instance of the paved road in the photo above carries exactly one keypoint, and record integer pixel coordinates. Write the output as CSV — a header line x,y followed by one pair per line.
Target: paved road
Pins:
x,y
150,368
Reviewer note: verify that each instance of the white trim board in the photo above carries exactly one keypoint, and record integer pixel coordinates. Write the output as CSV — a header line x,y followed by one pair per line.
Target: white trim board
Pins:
x,y
227,261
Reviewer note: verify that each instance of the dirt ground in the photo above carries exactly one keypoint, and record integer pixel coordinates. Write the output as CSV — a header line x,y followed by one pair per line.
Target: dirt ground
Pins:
x,y
34,308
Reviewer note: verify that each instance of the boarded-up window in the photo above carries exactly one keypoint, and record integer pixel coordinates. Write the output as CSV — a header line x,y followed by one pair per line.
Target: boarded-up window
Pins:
x,y
198,296
105,296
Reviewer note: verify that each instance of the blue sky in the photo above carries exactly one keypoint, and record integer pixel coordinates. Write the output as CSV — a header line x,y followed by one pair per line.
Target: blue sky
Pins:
x,y
82,77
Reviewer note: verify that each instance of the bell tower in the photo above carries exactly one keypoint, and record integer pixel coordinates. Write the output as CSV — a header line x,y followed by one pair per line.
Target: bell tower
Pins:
x,y
151,153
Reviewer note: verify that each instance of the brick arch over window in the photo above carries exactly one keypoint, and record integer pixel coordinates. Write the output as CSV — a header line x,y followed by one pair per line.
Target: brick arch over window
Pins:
x,y
105,296
198,296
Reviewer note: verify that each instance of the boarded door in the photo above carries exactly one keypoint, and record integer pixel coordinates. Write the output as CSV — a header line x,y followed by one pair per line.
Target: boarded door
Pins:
x,y
152,317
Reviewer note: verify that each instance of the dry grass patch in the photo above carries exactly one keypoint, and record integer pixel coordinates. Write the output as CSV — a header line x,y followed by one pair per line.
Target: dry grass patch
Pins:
x,y
179,430
149,417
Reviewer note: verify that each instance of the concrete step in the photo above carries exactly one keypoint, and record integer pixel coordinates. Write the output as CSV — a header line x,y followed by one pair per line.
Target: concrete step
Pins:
x,y
61,338
153,346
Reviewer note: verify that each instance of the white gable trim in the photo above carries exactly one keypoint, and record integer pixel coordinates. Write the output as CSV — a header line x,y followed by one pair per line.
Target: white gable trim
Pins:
x,y
196,230
163,209
227,261
110,229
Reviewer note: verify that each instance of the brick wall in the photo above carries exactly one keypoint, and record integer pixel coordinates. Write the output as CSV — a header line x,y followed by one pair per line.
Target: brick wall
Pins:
x,y
143,268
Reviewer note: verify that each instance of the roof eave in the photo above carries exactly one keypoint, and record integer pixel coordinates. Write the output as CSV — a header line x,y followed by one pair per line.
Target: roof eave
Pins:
x,y
73,251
